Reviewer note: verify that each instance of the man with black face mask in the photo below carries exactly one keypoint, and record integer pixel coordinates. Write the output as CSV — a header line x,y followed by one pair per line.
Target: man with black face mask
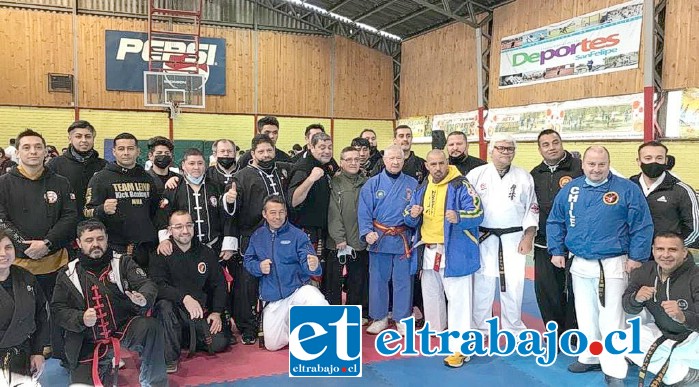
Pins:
x,y
457,147
673,203
221,174
253,183
160,154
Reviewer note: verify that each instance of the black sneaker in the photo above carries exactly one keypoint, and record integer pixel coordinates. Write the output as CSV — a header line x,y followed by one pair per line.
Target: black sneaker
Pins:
x,y
249,339
613,382
579,368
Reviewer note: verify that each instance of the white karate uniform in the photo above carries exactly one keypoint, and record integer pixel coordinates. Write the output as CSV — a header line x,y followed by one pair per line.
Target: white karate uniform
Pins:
x,y
509,201
457,317
275,317
684,357
595,320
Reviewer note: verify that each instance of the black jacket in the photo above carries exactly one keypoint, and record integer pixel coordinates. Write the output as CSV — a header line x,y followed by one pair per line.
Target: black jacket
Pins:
x,y
252,188
673,205
28,325
682,286
547,184
195,272
77,172
217,177
160,181
313,211
39,209
68,303
414,166
137,199
279,155
466,164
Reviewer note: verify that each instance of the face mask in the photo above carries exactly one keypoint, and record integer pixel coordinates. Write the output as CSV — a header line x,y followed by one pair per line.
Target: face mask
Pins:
x,y
266,164
590,182
457,159
162,161
194,180
372,149
226,162
653,170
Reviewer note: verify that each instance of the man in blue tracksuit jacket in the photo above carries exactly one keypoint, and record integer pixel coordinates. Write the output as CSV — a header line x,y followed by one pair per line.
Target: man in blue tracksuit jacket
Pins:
x,y
282,256
604,222
446,211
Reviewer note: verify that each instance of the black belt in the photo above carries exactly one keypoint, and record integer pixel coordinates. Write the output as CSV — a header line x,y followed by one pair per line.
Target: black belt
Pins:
x,y
646,361
498,232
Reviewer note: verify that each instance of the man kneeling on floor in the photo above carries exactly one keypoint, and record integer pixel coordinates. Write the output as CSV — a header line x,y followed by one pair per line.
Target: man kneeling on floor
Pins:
x,y
669,289
282,256
191,293
100,300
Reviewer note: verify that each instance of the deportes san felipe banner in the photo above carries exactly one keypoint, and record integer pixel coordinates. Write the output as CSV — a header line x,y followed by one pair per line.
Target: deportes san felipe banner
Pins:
x,y
600,42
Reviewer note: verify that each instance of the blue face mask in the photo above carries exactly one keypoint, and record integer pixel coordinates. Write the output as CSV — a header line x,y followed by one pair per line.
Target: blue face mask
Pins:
x,y
589,182
194,180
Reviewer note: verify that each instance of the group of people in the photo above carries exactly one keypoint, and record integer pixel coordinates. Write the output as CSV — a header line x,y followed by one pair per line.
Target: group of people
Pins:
x,y
168,259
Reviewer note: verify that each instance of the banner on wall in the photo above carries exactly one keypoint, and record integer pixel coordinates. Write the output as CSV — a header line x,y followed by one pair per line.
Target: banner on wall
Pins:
x,y
462,122
605,118
127,58
599,42
683,114
421,126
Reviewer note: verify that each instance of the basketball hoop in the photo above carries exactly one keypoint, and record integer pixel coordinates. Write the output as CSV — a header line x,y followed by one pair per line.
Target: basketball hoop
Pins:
x,y
175,109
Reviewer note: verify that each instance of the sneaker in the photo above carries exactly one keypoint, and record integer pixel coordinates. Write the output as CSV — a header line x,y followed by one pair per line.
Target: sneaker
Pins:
x,y
614,382
400,328
579,368
249,339
377,326
692,378
171,367
456,360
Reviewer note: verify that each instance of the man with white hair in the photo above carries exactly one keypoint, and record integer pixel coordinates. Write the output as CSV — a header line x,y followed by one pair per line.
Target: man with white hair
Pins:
x,y
382,202
511,217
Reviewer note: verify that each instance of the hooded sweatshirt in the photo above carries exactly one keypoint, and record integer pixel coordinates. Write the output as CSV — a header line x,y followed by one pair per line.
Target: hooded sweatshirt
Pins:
x,y
434,202
137,202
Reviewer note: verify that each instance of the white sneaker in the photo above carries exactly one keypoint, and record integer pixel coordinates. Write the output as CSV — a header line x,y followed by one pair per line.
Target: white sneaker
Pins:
x,y
377,326
400,328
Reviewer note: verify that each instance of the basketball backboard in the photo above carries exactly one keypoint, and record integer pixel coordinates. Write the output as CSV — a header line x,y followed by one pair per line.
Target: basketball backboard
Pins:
x,y
168,89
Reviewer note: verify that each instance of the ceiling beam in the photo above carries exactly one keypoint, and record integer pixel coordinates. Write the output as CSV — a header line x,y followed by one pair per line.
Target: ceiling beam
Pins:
x,y
403,19
444,12
374,10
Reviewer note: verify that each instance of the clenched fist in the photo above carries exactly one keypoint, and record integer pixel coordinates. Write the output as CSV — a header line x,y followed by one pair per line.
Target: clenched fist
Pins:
x,y
415,211
231,195
372,237
110,206
266,266
644,294
312,262
451,216
90,317
316,174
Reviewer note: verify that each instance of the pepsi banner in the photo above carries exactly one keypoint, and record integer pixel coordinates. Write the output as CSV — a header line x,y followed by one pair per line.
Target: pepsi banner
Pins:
x,y
127,58
600,42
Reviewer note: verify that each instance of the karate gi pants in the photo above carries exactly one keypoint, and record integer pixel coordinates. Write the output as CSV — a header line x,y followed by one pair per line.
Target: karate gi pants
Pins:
x,y
684,356
456,316
594,320
486,280
275,316
382,268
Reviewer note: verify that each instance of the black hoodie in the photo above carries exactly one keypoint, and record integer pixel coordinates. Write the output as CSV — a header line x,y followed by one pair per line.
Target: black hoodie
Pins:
x,y
39,209
137,203
313,211
77,172
682,286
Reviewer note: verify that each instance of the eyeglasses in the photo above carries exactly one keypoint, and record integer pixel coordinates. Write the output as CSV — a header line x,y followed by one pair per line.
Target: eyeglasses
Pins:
x,y
505,149
180,227
354,160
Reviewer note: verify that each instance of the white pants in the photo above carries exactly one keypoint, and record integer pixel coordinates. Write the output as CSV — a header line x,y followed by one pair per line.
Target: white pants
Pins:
x,y
457,317
594,320
684,357
275,317
486,279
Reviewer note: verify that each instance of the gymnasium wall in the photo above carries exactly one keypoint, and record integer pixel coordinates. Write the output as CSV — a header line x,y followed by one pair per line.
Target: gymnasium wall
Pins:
x,y
297,75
